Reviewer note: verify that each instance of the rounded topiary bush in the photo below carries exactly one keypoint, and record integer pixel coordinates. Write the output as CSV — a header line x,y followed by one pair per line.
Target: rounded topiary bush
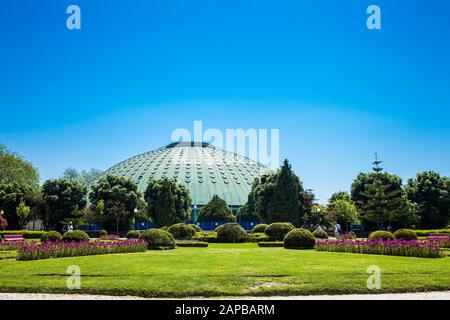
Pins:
x,y
231,233
181,231
102,233
278,230
165,228
299,239
260,228
196,227
405,234
381,234
51,236
158,239
324,235
133,234
76,235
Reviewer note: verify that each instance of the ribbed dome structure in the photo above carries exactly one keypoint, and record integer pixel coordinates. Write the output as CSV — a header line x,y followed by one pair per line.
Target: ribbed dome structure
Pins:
x,y
201,167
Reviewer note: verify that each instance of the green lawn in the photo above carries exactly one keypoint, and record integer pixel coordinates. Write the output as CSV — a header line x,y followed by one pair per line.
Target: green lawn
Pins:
x,y
221,269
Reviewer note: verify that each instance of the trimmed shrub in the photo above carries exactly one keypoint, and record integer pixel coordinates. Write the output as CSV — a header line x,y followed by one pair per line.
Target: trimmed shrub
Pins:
x,y
405,234
181,231
260,228
158,239
381,234
205,236
196,227
231,233
324,235
193,244
257,237
51,236
102,233
271,244
76,235
299,239
426,233
133,234
165,228
27,234
278,230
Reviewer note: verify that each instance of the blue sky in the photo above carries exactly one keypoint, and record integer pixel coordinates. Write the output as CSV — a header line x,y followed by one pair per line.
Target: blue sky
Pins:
x,y
137,70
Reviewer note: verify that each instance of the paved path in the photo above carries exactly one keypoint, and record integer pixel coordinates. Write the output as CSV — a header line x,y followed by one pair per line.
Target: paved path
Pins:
x,y
385,296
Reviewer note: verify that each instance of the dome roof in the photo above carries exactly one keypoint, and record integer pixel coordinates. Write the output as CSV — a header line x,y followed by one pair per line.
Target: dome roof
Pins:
x,y
201,167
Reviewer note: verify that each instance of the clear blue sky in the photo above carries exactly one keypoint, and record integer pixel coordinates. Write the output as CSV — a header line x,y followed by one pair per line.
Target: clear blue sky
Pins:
x,y
139,69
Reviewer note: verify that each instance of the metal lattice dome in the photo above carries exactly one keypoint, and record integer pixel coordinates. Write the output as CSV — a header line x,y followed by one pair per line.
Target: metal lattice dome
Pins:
x,y
201,167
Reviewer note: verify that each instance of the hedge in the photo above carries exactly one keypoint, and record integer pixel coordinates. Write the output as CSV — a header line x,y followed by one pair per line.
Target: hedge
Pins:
x,y
181,231
405,234
231,233
271,244
278,230
205,236
381,234
158,239
299,239
27,234
426,233
257,237
193,244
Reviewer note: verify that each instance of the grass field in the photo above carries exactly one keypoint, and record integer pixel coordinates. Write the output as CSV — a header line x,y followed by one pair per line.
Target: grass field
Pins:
x,y
226,269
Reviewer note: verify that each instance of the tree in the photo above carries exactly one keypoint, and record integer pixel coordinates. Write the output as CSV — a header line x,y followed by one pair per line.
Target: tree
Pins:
x,y
11,195
431,192
112,190
37,206
167,202
319,215
340,195
382,206
86,177
3,221
23,214
216,210
307,202
15,169
64,200
247,211
343,211
408,216
118,212
279,196
377,195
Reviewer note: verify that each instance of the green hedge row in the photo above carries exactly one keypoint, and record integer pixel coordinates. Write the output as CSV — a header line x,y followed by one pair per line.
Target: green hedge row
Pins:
x,y
426,233
193,244
27,234
271,244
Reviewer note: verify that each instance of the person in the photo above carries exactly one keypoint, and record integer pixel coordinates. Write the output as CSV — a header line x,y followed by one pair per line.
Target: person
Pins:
x,y
337,230
70,227
319,230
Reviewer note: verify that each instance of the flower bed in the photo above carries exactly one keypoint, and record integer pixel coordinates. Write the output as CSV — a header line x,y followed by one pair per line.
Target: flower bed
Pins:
x,y
109,237
442,241
36,251
11,245
423,249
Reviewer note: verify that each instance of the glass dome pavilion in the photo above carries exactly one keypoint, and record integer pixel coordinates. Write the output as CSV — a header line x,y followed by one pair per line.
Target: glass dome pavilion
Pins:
x,y
201,167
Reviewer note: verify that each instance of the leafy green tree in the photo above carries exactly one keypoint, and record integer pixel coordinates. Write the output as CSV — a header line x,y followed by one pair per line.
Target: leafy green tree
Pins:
x,y
319,215
216,210
279,196
23,214
307,202
37,205
15,169
247,211
112,190
343,211
64,200
409,214
118,212
432,194
11,195
340,195
86,177
167,202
